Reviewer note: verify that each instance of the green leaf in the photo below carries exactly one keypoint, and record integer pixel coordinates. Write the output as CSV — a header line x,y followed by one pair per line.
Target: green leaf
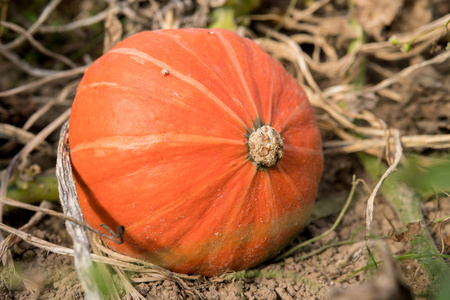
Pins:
x,y
426,175
444,287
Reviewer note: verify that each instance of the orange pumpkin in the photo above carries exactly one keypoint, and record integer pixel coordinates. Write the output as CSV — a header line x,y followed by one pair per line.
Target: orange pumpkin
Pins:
x,y
200,144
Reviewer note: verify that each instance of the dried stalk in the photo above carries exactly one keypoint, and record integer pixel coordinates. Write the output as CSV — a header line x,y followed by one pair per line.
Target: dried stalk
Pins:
x,y
74,25
406,72
13,239
371,200
37,45
69,202
24,66
33,28
38,83
441,141
44,109
20,135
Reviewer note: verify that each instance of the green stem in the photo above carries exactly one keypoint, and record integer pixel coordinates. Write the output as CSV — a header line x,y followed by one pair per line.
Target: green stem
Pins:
x,y
408,207
332,245
42,187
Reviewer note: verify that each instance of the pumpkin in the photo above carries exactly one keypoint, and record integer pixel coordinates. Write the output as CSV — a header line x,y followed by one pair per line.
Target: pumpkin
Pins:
x,y
200,144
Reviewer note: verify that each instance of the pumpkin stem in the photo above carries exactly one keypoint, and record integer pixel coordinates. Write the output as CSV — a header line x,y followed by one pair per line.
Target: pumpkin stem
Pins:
x,y
265,146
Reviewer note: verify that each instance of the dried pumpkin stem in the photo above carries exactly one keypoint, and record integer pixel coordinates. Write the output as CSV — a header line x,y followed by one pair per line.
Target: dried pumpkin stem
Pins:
x,y
265,146
68,196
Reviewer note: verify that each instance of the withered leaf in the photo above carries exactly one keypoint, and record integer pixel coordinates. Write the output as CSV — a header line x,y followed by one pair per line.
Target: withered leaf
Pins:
x,y
413,230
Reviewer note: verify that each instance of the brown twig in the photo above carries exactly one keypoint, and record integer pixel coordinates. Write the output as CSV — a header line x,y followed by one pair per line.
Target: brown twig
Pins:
x,y
37,45
33,28
406,72
74,25
49,79
24,66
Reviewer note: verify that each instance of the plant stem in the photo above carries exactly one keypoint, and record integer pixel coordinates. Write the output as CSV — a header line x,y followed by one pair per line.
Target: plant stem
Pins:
x,y
42,187
407,204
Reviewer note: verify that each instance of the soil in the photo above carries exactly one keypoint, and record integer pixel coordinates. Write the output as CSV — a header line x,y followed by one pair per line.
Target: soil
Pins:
x,y
422,107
